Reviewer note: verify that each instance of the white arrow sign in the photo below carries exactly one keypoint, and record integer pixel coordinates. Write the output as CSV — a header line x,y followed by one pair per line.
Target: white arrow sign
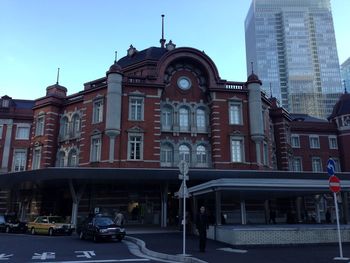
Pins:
x,y
5,257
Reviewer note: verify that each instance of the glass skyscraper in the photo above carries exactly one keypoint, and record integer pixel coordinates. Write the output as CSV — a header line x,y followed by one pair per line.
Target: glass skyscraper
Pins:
x,y
345,74
292,46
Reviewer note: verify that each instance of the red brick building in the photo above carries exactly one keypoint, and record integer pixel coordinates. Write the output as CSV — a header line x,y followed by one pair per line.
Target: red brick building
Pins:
x,y
117,143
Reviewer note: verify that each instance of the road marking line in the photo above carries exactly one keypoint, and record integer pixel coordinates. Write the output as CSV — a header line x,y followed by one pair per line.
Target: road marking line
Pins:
x,y
100,260
228,249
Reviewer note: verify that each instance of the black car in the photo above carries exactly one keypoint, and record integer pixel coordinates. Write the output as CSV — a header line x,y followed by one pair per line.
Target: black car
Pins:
x,y
100,228
10,223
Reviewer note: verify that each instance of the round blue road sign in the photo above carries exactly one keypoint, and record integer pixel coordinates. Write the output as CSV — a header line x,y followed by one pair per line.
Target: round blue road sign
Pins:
x,y
330,167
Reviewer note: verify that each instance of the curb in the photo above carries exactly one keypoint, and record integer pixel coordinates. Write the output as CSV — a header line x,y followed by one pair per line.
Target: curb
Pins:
x,y
142,245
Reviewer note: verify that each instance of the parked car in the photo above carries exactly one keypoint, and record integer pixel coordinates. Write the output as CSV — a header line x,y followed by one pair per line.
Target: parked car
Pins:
x,y
100,227
50,225
10,223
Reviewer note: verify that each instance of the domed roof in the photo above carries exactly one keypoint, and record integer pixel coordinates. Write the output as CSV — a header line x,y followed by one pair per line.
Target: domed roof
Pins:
x,y
342,107
115,68
254,79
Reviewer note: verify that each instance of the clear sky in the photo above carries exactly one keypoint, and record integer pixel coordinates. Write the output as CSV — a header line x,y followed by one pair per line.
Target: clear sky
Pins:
x,y
81,36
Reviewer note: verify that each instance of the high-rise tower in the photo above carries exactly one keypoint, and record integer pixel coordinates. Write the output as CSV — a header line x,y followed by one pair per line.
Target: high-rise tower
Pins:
x,y
345,74
292,44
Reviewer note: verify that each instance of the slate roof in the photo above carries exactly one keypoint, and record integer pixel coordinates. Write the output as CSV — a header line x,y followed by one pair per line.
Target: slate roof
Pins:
x,y
342,107
152,53
305,118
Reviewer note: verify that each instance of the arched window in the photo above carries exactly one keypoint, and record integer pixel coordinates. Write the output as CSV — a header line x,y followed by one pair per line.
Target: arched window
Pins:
x,y
184,119
167,117
201,119
64,127
202,155
76,125
60,159
73,158
167,154
184,153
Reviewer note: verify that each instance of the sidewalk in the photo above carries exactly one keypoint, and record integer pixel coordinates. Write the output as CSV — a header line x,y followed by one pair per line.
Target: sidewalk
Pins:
x,y
169,245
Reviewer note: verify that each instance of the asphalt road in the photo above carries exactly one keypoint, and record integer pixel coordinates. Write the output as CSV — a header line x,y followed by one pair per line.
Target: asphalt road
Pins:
x,y
23,248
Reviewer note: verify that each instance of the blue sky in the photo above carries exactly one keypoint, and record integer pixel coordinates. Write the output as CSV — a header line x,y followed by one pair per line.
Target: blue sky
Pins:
x,y
80,37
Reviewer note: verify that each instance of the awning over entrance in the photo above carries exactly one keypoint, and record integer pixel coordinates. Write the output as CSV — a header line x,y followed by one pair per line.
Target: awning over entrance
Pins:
x,y
253,187
239,178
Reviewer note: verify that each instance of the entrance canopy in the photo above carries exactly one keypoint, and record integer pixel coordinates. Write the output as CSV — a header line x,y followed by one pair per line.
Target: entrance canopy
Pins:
x,y
201,180
267,187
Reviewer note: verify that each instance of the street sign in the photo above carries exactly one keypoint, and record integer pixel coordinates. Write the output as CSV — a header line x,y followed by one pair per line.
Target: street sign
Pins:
x,y
330,167
183,167
182,191
334,184
183,177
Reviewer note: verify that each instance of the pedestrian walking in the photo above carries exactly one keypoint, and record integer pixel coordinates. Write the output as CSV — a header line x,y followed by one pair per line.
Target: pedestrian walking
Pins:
x,y
119,218
202,226
272,218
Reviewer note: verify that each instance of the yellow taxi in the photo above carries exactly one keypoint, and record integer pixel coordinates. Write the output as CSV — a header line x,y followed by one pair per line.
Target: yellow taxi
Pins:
x,y
50,225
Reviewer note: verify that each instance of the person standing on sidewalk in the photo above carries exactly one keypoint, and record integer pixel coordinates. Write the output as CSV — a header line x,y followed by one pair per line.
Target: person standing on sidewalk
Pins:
x,y
202,226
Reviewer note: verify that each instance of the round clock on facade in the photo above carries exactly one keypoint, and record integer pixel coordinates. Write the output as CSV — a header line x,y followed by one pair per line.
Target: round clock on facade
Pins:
x,y
184,83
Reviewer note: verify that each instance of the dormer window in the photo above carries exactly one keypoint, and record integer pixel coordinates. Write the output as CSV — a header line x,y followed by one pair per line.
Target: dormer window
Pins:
x,y
170,46
5,101
131,51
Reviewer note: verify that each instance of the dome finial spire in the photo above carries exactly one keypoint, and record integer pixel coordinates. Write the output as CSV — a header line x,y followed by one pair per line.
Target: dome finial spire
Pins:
x,y
271,91
58,76
162,40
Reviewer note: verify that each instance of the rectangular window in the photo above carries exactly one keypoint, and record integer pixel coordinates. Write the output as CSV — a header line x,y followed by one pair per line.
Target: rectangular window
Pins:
x,y
266,154
314,142
201,120
166,156
136,109
135,147
95,155
333,143
36,158
39,128
295,141
22,133
19,160
184,119
97,111
297,164
316,164
166,119
237,150
235,113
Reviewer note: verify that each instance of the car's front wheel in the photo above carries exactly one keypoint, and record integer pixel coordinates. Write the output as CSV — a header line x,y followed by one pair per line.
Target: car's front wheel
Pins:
x,y
32,231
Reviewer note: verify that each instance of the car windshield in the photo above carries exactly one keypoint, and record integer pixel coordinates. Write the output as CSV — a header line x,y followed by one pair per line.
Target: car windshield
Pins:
x,y
103,221
56,219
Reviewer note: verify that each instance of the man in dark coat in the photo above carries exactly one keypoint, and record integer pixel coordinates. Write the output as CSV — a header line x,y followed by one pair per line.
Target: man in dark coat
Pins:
x,y
202,226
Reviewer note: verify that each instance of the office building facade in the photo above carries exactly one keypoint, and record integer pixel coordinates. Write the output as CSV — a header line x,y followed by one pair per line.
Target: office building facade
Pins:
x,y
345,73
293,50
